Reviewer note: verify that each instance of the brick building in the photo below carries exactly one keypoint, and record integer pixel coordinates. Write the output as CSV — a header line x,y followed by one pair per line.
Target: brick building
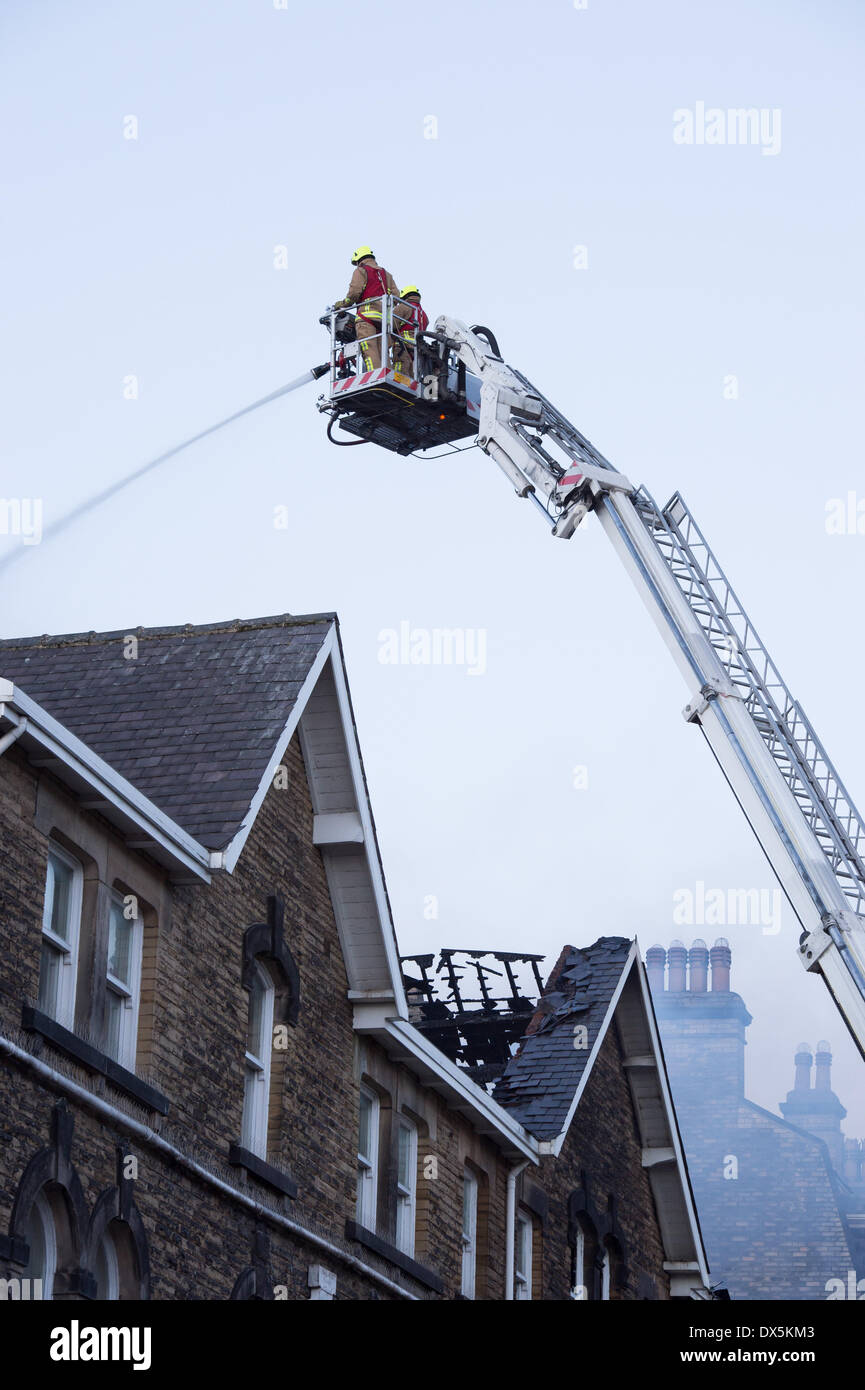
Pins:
x,y
211,1083
780,1196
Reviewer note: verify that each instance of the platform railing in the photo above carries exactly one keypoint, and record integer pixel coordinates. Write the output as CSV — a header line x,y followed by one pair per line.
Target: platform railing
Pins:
x,y
364,352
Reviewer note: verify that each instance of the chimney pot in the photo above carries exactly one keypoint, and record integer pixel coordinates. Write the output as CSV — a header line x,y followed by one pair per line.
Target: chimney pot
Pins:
x,y
802,1081
721,957
656,960
677,956
698,958
823,1075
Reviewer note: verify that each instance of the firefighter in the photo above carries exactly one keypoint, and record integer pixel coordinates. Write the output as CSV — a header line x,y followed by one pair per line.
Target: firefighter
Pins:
x,y
369,282
409,320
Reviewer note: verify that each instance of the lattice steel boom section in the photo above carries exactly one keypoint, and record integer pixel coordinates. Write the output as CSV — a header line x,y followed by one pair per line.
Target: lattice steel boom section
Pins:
x,y
779,718
776,766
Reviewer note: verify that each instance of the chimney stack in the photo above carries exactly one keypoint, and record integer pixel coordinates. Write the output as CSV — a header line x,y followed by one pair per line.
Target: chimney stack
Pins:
x,y
656,960
677,957
721,957
802,1081
823,1075
817,1108
698,958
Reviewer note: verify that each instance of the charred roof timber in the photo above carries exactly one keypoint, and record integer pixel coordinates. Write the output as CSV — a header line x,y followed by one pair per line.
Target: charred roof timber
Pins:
x,y
473,1005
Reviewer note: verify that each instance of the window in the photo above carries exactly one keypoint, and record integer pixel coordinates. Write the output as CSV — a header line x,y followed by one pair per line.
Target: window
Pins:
x,y
123,981
367,1159
606,1268
259,1041
117,1265
579,1288
524,1253
406,1186
61,922
40,1237
470,1234
107,1269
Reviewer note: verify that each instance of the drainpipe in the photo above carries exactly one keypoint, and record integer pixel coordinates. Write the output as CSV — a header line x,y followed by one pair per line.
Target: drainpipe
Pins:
x,y
510,1222
8,739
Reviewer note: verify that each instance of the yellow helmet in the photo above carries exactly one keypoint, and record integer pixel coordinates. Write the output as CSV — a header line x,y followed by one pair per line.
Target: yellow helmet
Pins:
x,y
407,290
361,253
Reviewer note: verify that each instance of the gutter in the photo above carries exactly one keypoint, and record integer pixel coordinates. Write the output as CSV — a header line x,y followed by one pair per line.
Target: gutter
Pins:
x,y
406,1045
148,1136
83,771
8,739
510,1224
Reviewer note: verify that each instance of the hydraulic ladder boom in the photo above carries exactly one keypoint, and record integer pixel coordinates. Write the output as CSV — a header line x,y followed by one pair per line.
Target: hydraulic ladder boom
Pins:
x,y
781,775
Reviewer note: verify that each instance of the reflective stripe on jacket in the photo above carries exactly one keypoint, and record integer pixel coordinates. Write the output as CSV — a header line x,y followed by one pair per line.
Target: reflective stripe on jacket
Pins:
x,y
412,318
368,283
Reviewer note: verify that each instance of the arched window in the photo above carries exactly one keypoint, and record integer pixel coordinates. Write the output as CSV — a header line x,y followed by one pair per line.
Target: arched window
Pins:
x,y
259,1048
606,1272
116,1264
579,1287
42,1243
107,1269
584,1269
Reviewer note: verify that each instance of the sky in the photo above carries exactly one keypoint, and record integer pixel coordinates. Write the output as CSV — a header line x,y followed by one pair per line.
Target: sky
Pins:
x,y
695,308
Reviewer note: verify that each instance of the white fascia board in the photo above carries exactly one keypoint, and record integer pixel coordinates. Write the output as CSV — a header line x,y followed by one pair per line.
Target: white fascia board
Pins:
x,y
658,1155
370,842
234,848
558,1142
87,768
672,1122
330,651
419,1054
337,828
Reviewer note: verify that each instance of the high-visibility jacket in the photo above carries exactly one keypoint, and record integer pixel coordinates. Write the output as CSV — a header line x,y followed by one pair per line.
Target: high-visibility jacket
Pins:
x,y
413,319
368,283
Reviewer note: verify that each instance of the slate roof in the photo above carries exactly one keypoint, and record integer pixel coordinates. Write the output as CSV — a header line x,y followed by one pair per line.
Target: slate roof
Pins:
x,y
192,721
539,1083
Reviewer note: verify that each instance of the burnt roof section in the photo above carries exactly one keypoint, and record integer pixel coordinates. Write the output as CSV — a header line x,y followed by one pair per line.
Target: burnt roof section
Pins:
x,y
191,720
539,1083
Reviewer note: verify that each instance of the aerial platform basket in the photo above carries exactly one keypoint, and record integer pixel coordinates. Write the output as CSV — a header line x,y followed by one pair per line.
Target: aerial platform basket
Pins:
x,y
420,397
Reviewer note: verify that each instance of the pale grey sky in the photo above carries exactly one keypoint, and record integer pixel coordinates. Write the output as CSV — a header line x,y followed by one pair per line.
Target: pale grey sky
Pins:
x,y
260,127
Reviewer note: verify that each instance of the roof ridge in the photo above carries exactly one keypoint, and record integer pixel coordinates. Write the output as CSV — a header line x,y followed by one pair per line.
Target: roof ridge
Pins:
x,y
94,638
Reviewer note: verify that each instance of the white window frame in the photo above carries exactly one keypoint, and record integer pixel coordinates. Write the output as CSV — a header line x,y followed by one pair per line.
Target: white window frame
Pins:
x,y
108,1251
129,992
580,1288
469,1234
62,1007
41,1209
606,1271
524,1255
256,1086
406,1196
367,1166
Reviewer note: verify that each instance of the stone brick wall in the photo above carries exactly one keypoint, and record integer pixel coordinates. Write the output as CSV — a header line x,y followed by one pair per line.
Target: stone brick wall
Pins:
x,y
603,1145
767,1201
192,1041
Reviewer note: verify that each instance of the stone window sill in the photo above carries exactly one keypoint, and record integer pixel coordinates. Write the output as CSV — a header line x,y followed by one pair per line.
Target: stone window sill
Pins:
x,y
394,1256
239,1157
90,1057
